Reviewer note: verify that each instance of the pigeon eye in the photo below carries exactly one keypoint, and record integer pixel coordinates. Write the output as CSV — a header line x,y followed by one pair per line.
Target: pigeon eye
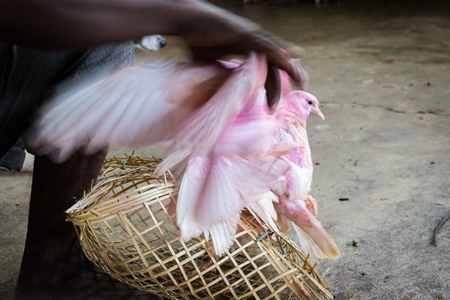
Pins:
x,y
310,102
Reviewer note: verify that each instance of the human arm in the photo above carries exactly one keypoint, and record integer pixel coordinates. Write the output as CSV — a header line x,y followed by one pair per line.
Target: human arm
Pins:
x,y
210,32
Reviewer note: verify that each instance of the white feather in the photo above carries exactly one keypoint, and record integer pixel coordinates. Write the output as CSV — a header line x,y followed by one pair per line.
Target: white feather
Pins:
x,y
264,210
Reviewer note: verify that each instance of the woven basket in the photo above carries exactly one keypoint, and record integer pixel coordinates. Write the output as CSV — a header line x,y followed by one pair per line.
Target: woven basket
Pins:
x,y
124,227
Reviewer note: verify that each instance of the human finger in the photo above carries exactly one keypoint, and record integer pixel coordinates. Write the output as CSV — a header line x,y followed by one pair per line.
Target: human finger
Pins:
x,y
273,87
280,54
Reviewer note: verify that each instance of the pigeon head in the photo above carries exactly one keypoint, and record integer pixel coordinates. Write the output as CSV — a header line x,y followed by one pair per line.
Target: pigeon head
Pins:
x,y
300,104
311,104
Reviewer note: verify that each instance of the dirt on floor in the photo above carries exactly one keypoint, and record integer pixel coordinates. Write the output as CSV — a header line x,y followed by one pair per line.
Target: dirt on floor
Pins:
x,y
381,70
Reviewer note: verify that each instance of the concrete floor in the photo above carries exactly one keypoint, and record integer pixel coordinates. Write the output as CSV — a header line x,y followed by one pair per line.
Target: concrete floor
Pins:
x,y
381,70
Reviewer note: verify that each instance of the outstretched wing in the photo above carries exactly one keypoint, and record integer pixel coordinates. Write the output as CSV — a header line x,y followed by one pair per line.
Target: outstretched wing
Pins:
x,y
200,135
136,106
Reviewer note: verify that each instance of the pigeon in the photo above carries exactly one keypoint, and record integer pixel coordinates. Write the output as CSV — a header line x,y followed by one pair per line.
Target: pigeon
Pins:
x,y
292,189
261,162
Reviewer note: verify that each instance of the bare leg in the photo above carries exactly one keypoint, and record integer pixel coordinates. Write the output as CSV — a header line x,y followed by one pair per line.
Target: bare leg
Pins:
x,y
53,265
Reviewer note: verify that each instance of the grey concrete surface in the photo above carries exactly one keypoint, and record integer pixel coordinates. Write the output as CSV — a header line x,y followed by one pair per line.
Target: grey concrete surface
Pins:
x,y
381,70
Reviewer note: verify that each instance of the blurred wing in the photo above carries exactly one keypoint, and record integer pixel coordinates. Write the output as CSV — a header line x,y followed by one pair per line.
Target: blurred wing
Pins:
x,y
251,132
135,106
213,192
200,134
205,204
190,189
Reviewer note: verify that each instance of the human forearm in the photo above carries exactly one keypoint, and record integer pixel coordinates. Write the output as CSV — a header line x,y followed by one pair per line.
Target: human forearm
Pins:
x,y
83,23
210,32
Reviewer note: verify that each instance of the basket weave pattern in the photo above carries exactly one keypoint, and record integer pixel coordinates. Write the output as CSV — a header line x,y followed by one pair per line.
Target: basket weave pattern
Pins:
x,y
125,227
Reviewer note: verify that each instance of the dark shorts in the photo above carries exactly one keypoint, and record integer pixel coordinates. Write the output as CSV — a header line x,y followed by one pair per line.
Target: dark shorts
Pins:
x,y
28,76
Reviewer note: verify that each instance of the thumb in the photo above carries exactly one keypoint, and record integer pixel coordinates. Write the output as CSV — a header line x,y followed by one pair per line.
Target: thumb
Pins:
x,y
273,87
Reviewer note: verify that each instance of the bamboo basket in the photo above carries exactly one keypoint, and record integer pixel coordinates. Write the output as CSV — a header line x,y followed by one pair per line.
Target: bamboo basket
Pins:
x,y
125,228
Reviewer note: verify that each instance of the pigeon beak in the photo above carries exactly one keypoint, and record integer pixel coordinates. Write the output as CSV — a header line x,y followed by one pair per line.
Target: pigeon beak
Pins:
x,y
318,112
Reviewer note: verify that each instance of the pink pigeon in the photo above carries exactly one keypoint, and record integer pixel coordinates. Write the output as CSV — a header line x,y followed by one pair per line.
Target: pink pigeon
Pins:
x,y
277,165
261,162
292,189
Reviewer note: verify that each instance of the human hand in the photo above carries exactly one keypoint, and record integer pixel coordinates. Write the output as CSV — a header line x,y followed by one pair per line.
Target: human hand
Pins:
x,y
213,33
